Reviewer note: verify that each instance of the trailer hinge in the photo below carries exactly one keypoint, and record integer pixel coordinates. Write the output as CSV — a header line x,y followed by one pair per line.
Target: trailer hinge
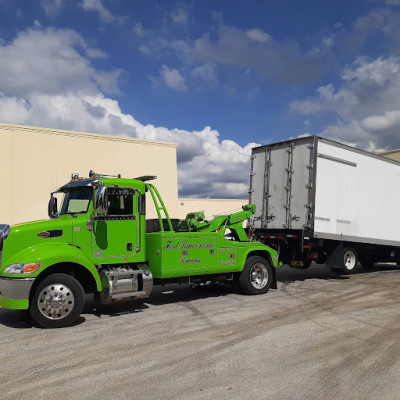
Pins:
x,y
310,166
308,205
309,186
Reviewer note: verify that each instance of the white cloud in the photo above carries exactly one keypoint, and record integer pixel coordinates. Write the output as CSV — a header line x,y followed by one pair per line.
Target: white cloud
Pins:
x,y
367,104
173,78
104,13
251,49
387,121
326,43
269,58
207,72
257,35
49,61
208,167
51,7
180,16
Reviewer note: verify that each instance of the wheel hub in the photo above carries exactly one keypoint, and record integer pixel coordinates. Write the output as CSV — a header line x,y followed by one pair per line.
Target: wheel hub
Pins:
x,y
349,260
55,301
259,276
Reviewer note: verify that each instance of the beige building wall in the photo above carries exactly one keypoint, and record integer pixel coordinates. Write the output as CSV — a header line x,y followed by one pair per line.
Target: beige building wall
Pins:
x,y
210,207
37,161
392,154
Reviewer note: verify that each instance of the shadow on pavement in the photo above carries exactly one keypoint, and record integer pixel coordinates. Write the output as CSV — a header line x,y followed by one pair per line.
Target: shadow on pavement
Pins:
x,y
18,319
287,274
172,293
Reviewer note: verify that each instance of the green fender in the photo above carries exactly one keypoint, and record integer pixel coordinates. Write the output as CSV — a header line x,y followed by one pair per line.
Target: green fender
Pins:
x,y
46,254
260,250
49,254
83,260
269,254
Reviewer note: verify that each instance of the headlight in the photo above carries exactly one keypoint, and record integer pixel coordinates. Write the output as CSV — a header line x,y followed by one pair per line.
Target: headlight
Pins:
x,y
22,268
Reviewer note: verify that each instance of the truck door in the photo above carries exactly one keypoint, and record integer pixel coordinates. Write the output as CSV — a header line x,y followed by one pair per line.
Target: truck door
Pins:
x,y
117,234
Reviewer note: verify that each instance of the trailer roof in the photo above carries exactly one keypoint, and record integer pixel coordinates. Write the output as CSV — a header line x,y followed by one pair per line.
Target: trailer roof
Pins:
x,y
329,141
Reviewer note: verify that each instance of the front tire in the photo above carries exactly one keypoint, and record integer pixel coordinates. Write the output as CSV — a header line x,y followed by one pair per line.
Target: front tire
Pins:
x,y
57,301
256,276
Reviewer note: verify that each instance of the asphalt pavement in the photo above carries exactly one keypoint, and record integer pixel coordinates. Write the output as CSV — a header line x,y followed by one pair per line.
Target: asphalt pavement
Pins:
x,y
318,336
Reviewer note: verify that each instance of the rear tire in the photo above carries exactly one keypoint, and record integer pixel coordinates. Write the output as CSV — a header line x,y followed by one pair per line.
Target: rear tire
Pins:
x,y
57,301
256,276
350,259
348,262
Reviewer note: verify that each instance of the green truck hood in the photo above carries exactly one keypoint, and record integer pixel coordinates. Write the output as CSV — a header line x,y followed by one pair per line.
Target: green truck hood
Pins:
x,y
34,227
25,237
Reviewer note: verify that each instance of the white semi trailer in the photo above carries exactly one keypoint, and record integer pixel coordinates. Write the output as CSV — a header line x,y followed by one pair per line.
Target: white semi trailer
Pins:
x,y
323,201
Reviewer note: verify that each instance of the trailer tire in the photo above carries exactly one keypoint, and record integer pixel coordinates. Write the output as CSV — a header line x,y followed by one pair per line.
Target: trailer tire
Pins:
x,y
256,276
349,259
57,301
346,262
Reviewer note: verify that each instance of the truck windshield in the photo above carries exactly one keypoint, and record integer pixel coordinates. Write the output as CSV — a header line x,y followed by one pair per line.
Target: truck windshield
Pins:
x,y
76,201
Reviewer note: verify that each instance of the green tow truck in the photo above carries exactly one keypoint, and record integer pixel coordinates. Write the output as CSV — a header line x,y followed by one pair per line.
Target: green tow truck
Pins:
x,y
98,240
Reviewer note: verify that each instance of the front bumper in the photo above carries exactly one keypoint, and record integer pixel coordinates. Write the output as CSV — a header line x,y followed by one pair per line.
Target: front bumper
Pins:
x,y
14,292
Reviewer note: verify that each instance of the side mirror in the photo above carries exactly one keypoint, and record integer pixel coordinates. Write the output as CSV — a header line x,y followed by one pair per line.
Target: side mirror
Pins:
x,y
101,201
53,207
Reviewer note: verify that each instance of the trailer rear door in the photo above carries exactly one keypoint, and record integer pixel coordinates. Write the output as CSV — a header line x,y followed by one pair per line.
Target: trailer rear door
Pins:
x,y
281,184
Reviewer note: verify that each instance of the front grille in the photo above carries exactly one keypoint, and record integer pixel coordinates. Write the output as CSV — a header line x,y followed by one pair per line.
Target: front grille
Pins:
x,y
4,231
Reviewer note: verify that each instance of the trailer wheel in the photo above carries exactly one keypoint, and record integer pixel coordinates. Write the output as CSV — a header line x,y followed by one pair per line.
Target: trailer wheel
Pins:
x,y
347,262
256,276
57,301
350,259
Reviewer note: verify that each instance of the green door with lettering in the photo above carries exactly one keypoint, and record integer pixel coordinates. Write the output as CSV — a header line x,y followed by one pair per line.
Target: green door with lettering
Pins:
x,y
202,253
173,261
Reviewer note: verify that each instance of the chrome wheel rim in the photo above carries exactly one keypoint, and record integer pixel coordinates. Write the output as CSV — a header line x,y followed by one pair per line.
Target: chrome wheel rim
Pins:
x,y
258,276
55,301
349,260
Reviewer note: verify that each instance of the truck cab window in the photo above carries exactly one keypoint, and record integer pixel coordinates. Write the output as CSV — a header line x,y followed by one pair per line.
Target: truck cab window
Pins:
x,y
120,202
76,201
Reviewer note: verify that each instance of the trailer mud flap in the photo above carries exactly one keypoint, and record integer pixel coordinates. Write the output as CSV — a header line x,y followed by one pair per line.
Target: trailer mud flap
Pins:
x,y
274,283
335,260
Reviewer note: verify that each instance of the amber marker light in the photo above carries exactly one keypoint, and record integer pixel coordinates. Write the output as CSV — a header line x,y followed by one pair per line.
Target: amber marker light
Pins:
x,y
29,268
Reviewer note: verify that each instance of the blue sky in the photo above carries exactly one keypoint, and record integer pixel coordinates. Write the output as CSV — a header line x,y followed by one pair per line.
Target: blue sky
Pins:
x,y
217,77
